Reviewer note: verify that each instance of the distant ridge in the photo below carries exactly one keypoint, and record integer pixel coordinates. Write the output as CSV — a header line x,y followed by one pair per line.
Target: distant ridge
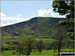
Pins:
x,y
45,26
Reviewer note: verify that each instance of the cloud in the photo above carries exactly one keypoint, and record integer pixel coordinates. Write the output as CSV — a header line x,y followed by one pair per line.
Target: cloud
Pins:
x,y
19,16
2,14
2,24
5,20
45,13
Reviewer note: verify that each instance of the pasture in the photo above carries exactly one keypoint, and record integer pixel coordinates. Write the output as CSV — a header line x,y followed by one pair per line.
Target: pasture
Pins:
x,y
34,52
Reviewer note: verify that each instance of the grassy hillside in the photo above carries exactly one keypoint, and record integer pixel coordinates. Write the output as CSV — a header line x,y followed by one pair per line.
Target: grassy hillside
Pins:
x,y
37,26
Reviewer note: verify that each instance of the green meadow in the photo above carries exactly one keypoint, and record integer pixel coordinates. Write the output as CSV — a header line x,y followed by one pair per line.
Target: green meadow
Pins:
x,y
34,52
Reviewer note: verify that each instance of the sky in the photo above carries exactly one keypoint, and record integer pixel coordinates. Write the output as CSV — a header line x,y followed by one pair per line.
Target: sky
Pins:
x,y
18,11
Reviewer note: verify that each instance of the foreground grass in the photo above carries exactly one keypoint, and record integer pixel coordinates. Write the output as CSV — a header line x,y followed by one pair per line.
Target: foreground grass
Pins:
x,y
44,52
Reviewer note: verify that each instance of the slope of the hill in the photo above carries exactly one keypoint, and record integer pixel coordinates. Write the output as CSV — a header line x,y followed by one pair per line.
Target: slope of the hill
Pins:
x,y
40,26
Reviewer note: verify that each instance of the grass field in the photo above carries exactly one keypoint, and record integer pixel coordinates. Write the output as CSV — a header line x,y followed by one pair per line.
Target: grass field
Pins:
x,y
44,52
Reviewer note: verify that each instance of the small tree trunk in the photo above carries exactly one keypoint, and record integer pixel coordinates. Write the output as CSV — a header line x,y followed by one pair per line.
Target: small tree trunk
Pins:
x,y
54,50
39,51
28,53
59,47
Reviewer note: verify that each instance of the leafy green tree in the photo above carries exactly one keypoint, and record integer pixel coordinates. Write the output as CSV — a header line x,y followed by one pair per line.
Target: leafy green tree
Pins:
x,y
54,45
66,8
20,48
60,35
39,46
29,43
25,47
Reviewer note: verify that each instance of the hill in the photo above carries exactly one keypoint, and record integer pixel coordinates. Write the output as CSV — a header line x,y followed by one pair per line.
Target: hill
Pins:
x,y
37,26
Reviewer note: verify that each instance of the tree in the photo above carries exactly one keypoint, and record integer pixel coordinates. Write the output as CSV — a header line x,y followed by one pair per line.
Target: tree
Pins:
x,y
20,48
39,46
54,45
47,45
66,8
29,43
60,35
25,47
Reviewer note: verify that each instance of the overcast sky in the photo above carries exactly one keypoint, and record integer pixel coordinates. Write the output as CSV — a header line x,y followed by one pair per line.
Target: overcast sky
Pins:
x,y
17,11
